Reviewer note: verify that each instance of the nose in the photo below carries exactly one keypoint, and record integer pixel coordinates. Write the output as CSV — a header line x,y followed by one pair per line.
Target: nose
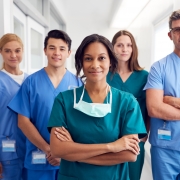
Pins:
x,y
57,51
124,48
95,64
13,54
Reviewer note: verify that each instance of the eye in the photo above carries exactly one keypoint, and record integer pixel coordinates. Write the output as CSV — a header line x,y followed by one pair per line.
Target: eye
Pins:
x,y
17,51
62,49
119,45
87,59
51,48
129,45
7,51
101,58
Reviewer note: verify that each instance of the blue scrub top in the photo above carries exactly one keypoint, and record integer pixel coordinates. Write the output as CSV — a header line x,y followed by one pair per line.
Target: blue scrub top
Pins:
x,y
165,75
8,119
125,118
35,100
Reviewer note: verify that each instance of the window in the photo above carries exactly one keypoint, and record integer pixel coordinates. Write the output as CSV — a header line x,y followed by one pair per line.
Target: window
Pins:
x,y
162,44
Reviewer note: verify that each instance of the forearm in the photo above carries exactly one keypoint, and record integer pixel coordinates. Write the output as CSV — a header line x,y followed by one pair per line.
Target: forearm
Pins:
x,y
110,159
72,151
157,108
173,101
164,111
32,133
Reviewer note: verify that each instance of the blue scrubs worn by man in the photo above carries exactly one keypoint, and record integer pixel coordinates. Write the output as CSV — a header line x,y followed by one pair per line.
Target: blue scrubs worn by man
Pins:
x,y
34,102
163,103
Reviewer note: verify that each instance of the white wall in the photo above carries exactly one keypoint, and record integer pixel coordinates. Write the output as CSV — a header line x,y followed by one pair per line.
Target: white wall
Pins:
x,y
5,19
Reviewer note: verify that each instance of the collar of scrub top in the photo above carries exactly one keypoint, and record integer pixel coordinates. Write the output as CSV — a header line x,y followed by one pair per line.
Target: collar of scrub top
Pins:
x,y
108,87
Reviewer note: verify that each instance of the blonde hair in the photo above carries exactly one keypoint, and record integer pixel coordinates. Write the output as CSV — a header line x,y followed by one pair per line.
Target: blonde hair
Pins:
x,y
8,38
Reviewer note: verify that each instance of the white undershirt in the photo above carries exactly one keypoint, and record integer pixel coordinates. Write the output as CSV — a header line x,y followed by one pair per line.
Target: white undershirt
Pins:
x,y
18,78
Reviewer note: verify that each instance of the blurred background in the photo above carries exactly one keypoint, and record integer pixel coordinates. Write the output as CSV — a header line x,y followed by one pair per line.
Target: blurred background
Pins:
x,y
147,20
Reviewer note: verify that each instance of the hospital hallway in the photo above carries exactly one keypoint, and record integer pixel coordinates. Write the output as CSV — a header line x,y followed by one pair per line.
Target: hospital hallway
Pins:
x,y
146,20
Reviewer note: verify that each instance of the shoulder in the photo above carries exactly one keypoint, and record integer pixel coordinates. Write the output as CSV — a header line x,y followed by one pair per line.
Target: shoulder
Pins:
x,y
163,61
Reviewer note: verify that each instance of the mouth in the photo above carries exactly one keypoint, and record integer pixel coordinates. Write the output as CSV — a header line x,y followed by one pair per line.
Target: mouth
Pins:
x,y
56,59
95,72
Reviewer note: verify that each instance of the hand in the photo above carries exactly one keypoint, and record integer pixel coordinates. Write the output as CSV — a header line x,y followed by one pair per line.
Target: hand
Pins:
x,y
128,142
62,134
52,160
1,171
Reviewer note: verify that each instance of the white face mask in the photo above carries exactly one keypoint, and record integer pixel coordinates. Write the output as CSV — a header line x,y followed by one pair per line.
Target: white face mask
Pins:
x,y
93,109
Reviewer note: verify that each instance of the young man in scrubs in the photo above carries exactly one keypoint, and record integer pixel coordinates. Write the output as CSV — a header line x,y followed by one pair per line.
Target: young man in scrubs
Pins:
x,y
103,122
163,93
34,101
130,77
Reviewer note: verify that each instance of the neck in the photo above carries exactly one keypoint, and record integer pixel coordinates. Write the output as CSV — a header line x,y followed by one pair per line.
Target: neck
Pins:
x,y
15,71
177,52
123,67
96,87
55,72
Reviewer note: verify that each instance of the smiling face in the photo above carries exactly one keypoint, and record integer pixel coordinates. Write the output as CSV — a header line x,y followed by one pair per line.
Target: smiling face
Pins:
x,y
57,52
96,62
12,54
123,48
174,35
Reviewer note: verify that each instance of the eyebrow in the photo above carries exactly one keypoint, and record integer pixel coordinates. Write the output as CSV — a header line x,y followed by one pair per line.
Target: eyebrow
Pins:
x,y
59,46
91,55
10,49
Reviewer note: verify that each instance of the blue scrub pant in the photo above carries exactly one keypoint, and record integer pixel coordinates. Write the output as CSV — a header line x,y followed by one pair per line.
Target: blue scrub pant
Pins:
x,y
41,174
165,164
13,170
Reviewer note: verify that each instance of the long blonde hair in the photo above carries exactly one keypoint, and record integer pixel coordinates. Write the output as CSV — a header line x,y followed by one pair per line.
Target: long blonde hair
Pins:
x,y
8,38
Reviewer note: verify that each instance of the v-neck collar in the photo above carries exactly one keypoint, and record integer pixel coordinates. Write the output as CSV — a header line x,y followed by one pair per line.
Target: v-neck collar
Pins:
x,y
128,79
50,82
12,78
86,97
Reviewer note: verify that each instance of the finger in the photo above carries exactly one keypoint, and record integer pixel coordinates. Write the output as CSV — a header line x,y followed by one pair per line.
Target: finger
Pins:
x,y
135,137
61,138
132,150
57,129
67,136
134,147
134,142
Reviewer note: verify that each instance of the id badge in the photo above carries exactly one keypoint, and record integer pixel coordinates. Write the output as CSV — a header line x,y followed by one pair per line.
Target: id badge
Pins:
x,y
38,157
8,146
164,134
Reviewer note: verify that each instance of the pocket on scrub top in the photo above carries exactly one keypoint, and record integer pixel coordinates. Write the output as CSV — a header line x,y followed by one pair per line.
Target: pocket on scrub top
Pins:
x,y
63,177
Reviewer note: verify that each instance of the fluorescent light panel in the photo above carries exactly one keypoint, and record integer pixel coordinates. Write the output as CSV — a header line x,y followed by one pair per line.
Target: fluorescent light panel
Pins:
x,y
127,12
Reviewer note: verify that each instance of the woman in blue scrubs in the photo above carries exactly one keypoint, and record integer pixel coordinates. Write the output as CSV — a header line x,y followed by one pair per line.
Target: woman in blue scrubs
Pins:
x,y
103,122
130,77
12,141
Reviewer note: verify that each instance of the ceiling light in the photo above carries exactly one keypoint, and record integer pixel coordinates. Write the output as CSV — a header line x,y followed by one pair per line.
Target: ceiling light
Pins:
x,y
127,13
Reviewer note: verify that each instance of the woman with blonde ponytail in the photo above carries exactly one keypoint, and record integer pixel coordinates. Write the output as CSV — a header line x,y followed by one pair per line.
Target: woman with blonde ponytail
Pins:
x,y
12,140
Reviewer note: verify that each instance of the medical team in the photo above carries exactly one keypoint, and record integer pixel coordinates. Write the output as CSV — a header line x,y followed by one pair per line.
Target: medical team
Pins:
x,y
97,124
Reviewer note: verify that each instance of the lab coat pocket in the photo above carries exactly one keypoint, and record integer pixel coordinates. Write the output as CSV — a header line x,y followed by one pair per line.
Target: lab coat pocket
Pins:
x,y
63,177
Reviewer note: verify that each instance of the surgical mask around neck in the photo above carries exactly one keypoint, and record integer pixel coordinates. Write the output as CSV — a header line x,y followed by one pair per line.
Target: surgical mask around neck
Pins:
x,y
93,109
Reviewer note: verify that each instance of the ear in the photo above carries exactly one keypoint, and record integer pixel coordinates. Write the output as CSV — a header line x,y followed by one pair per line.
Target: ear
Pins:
x,y
45,51
69,52
170,36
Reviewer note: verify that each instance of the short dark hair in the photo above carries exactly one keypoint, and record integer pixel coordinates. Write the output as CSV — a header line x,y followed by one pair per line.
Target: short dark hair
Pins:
x,y
91,39
174,16
58,34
